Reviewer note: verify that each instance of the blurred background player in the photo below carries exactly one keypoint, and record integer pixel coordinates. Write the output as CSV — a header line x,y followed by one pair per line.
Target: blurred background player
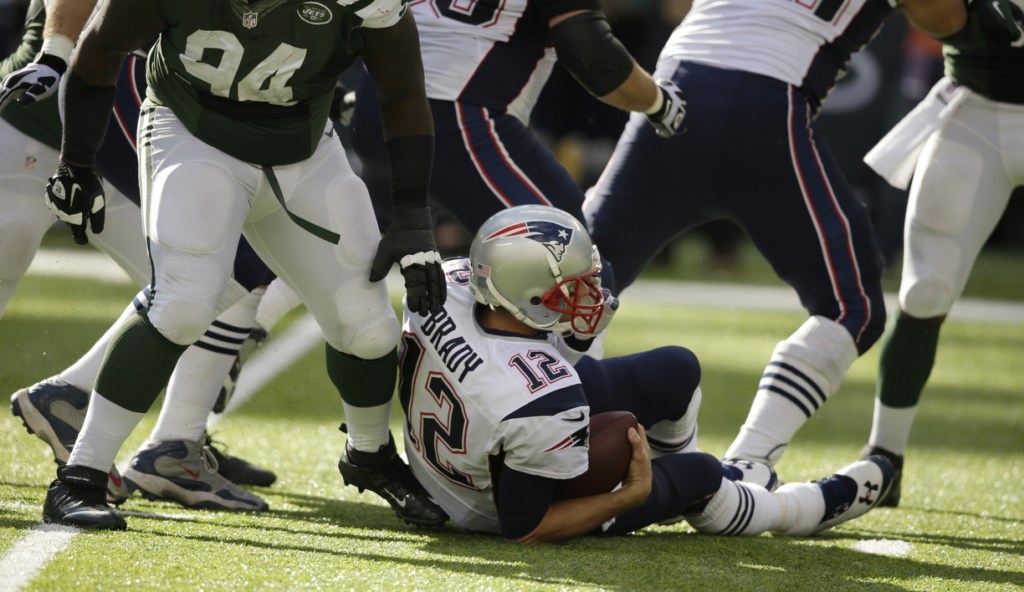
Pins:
x,y
485,67
969,158
263,160
516,411
751,156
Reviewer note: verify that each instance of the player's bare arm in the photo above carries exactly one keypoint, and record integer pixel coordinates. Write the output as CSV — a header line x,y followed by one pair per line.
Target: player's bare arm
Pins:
x,y
636,92
67,18
121,27
590,51
566,519
392,58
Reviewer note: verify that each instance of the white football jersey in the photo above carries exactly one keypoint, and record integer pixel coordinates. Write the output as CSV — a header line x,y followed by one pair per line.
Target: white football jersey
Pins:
x,y
476,399
806,43
496,55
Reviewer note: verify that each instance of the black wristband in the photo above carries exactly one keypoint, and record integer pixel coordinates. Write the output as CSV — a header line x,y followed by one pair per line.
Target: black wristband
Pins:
x,y
86,115
411,159
51,61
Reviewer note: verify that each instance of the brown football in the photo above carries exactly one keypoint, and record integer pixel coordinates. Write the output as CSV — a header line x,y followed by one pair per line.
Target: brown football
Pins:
x,y
610,453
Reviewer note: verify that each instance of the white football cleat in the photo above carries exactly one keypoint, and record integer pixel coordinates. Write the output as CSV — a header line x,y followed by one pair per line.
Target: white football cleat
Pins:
x,y
751,471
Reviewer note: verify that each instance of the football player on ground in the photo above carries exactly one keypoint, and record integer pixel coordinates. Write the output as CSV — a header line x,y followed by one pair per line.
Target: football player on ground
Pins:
x,y
485,68
54,409
968,165
757,72
237,141
497,415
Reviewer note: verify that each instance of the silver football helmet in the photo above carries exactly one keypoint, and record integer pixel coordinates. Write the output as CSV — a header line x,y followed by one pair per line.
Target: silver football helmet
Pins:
x,y
538,263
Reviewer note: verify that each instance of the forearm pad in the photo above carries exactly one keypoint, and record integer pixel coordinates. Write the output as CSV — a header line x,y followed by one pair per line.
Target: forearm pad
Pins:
x,y
586,46
86,115
411,159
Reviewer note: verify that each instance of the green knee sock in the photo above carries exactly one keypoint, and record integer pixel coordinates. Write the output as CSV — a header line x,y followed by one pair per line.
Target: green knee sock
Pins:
x,y
137,365
363,383
908,355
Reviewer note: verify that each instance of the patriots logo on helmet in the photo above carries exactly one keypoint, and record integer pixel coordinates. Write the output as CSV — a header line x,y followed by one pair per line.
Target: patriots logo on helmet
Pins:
x,y
553,236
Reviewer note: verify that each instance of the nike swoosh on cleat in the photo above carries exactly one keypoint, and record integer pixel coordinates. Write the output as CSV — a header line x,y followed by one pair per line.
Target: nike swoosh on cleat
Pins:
x,y
400,502
193,474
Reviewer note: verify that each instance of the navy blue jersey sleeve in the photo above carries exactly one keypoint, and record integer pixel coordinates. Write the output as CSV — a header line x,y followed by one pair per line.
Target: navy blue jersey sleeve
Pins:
x,y
523,499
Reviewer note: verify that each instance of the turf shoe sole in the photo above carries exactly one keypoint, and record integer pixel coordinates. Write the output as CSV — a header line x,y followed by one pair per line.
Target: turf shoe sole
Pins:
x,y
54,411
186,473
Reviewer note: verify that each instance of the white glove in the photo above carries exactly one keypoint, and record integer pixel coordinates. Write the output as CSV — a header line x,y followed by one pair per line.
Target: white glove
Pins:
x,y
34,82
667,117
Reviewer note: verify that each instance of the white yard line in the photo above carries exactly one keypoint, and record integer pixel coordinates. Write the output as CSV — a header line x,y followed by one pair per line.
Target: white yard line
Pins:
x,y
30,554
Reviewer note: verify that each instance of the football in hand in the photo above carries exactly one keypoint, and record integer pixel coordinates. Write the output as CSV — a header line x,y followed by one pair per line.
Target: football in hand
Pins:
x,y
609,456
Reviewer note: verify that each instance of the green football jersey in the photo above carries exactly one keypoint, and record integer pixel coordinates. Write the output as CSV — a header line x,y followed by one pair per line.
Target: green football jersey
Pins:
x,y
995,72
256,80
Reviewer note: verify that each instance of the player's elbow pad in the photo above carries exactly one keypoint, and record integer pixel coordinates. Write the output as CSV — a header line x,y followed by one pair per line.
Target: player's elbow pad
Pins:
x,y
588,49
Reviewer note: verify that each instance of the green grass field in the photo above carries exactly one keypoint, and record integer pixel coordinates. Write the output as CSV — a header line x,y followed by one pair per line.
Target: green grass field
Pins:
x,y
960,526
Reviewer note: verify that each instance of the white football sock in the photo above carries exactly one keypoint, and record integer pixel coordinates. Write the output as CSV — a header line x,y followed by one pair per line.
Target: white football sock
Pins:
x,y
199,375
372,426
804,371
676,436
890,427
738,508
803,507
107,426
82,374
278,301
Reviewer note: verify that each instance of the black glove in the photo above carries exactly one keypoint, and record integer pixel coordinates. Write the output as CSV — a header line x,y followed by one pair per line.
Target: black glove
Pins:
x,y
669,119
1001,21
343,105
410,243
34,82
74,194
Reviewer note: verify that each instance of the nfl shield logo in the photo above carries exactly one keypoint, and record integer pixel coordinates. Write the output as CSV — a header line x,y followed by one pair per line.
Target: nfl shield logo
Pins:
x,y
249,20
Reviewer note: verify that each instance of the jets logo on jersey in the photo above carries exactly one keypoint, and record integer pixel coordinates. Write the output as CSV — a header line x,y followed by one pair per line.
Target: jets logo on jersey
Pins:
x,y
553,236
315,13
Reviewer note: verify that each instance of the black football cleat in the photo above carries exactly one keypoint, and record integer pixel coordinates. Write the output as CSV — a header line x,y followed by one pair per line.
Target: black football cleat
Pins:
x,y
891,499
386,474
78,498
238,470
